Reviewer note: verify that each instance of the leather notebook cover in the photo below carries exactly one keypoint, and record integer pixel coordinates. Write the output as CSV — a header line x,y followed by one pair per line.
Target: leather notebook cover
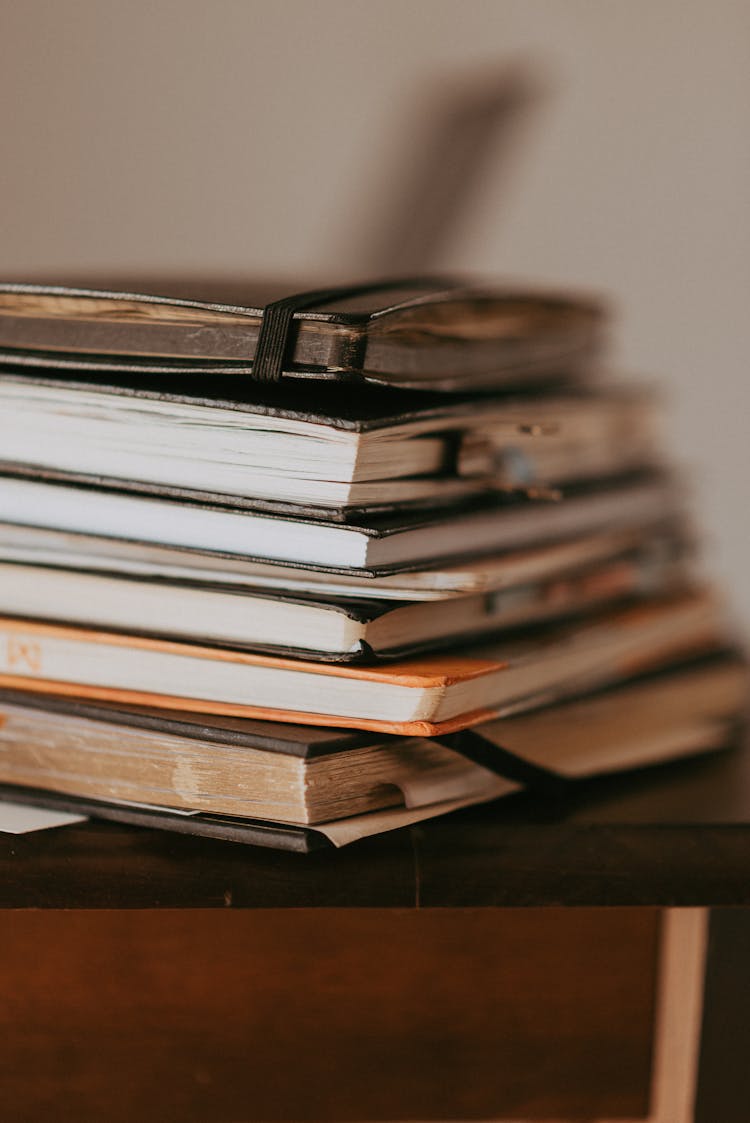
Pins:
x,y
350,407
423,333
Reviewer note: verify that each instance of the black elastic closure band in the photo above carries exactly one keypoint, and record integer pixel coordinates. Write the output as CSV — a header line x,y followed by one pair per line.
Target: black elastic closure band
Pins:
x,y
275,328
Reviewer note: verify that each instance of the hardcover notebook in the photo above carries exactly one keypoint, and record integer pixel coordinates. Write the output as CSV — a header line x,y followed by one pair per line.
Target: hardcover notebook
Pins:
x,y
489,574
378,544
323,626
413,697
425,333
329,451
303,787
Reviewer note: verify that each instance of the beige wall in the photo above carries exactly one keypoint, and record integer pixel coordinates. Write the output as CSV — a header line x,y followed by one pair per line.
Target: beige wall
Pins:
x,y
232,134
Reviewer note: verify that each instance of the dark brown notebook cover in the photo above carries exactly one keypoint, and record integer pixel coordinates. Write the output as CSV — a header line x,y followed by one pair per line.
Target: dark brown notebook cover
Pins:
x,y
424,334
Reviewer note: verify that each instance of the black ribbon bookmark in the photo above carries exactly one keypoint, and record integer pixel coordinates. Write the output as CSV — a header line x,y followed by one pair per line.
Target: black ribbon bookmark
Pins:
x,y
481,750
275,328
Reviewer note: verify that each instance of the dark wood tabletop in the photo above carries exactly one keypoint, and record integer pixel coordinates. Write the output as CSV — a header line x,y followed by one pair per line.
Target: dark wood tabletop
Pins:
x,y
475,1008
673,835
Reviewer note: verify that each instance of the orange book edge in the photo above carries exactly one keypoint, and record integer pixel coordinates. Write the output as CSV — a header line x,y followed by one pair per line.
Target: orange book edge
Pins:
x,y
427,671
230,709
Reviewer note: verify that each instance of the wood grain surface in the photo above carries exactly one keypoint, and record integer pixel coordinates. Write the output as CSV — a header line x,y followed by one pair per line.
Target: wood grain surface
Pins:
x,y
335,1015
675,835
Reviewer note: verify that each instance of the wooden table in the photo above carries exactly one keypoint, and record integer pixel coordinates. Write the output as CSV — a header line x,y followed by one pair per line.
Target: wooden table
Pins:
x,y
585,956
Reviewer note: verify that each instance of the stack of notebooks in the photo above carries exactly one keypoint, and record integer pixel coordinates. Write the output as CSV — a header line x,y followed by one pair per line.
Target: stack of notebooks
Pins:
x,y
298,570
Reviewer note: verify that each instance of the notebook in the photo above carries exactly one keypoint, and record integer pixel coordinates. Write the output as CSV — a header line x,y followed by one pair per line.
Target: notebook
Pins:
x,y
328,451
424,333
488,574
303,787
378,544
320,626
412,697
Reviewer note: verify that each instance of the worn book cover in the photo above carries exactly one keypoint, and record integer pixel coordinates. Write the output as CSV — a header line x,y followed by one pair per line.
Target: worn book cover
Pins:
x,y
429,333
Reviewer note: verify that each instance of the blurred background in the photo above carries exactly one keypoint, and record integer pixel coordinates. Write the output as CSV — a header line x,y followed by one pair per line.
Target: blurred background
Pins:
x,y
592,143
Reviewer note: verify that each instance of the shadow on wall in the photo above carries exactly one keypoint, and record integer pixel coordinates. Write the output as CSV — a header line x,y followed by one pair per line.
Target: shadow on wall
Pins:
x,y
463,127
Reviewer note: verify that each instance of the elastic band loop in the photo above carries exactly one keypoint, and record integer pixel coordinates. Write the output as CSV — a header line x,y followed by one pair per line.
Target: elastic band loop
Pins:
x,y
275,327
